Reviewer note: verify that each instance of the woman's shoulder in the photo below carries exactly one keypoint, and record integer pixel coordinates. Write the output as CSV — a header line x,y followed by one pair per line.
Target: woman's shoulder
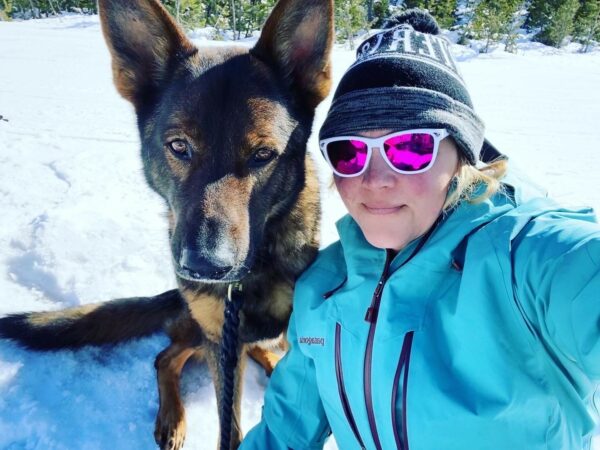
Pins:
x,y
558,232
540,226
535,214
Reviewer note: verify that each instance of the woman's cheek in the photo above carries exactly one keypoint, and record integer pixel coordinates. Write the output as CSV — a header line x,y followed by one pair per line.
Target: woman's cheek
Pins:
x,y
345,188
418,186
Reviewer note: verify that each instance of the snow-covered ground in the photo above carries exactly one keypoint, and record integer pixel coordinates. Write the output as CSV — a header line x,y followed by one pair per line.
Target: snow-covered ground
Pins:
x,y
78,224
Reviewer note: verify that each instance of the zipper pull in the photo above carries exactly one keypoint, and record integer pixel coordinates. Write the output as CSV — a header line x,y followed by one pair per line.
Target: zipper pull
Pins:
x,y
369,317
379,288
372,310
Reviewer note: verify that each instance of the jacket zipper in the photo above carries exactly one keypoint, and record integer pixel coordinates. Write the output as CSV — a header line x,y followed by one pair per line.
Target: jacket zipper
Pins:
x,y
403,363
371,317
341,388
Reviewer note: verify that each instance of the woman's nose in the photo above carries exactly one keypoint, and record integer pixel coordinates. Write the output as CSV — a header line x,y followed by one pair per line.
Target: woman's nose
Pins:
x,y
378,174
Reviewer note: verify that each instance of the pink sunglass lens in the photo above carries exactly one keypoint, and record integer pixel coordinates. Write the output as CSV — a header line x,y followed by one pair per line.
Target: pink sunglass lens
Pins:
x,y
348,157
410,152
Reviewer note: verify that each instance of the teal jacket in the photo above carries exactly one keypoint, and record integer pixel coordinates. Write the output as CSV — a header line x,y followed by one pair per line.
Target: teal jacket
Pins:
x,y
488,337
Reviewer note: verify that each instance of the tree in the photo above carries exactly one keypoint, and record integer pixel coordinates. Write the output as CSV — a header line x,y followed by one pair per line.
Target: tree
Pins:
x,y
350,17
189,13
5,9
554,18
511,32
233,22
253,14
39,8
587,23
463,20
381,11
495,20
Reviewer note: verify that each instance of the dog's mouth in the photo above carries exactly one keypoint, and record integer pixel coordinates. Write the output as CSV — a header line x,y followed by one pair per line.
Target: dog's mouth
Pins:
x,y
220,275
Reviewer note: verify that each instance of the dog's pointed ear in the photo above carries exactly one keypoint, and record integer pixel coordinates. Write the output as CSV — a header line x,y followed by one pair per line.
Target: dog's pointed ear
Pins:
x,y
297,40
144,41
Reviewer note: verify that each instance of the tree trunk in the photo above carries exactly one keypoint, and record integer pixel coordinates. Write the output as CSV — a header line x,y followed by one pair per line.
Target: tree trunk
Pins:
x,y
593,31
33,13
233,22
52,7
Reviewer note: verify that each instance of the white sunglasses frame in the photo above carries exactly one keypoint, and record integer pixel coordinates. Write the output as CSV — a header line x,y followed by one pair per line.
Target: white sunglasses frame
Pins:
x,y
438,135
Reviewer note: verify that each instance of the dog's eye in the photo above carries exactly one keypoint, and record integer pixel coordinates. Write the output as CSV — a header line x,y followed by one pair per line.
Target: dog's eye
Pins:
x,y
180,148
262,156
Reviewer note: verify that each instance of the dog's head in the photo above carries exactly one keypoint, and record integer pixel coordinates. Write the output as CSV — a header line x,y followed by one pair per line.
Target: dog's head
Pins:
x,y
223,130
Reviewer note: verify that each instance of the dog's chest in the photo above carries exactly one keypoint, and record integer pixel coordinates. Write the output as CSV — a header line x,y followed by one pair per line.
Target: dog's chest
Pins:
x,y
208,311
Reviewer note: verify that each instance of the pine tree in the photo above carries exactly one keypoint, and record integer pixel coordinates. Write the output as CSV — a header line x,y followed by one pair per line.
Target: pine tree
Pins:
x,y
233,17
516,22
253,14
540,13
495,20
463,20
350,17
211,12
369,11
381,11
554,18
189,13
587,23
5,9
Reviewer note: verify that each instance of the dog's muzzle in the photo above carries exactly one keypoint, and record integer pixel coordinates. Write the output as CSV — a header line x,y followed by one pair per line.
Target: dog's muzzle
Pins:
x,y
194,266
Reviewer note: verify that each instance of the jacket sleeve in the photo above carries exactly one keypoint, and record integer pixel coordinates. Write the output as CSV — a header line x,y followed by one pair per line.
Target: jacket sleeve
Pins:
x,y
557,280
293,415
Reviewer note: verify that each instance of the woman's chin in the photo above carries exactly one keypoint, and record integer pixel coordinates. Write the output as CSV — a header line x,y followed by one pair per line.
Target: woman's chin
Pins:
x,y
393,242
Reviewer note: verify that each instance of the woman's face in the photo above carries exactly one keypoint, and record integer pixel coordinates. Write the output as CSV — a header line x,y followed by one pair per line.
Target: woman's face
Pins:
x,y
393,209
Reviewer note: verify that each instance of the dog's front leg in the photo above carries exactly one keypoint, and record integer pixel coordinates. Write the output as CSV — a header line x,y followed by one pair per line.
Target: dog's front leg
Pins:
x,y
170,422
212,358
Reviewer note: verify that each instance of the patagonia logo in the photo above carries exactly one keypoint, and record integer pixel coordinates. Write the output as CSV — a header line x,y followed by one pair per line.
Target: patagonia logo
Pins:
x,y
312,341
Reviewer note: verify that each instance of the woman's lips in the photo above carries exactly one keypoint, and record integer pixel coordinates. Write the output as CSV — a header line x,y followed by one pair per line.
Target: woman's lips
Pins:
x,y
382,210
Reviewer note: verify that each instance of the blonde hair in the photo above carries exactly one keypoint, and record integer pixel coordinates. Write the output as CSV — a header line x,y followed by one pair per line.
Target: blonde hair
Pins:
x,y
469,182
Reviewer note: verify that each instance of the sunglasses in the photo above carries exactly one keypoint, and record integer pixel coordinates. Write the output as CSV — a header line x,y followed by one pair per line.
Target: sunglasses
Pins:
x,y
408,152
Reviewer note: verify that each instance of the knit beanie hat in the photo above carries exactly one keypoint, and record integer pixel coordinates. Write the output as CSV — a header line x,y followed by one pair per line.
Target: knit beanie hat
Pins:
x,y
404,77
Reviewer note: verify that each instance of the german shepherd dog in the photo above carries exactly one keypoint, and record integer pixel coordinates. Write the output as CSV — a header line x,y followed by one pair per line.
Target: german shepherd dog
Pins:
x,y
224,134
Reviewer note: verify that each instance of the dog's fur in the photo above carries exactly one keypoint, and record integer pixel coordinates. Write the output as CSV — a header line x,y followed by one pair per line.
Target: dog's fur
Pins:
x,y
224,135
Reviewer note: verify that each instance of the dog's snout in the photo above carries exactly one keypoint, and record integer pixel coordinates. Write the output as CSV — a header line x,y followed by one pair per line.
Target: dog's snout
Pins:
x,y
198,266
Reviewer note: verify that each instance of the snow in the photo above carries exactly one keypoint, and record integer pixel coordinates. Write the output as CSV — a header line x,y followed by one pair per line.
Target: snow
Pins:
x,y
79,225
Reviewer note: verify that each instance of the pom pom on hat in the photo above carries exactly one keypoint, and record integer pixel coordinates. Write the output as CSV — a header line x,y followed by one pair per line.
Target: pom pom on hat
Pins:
x,y
418,19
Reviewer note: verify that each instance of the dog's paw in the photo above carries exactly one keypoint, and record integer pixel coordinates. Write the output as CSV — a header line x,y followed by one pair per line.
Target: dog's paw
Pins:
x,y
169,432
271,360
266,358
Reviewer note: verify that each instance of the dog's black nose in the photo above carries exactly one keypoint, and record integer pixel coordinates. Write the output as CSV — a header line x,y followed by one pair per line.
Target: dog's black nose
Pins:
x,y
199,267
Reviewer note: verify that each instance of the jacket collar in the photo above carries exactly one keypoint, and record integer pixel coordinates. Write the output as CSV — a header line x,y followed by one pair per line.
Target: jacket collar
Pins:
x,y
363,259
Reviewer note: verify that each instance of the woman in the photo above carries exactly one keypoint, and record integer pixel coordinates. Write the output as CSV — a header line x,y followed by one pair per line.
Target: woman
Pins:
x,y
456,311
